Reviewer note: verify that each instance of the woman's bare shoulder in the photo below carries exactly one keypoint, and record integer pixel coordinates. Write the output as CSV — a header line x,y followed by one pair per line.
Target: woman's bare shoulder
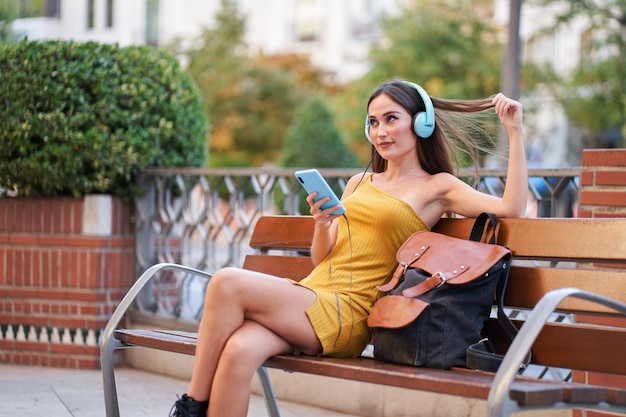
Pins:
x,y
447,181
354,181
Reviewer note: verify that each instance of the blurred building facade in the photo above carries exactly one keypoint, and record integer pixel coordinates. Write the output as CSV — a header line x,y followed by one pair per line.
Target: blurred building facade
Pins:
x,y
337,35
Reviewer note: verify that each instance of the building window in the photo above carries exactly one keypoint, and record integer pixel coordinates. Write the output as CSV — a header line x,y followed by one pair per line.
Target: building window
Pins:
x,y
308,18
362,19
91,14
39,8
152,22
109,16
52,8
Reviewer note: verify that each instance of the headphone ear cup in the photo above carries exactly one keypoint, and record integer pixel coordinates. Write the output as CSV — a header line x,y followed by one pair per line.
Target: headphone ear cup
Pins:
x,y
421,126
367,129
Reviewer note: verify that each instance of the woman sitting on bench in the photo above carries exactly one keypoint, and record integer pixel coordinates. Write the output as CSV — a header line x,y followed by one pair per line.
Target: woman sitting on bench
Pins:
x,y
249,317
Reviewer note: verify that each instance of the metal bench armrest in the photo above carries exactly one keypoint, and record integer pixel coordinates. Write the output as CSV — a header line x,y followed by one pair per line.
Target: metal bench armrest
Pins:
x,y
499,403
108,343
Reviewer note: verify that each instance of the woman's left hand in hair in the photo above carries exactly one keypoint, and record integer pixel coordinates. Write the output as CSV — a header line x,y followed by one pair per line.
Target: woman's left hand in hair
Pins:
x,y
509,110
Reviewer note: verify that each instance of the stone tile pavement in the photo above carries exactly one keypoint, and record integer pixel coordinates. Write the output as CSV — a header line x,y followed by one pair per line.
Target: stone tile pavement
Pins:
x,y
30,391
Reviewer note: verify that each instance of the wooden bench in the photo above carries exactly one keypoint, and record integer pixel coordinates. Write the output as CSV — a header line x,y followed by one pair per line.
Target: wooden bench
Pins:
x,y
581,262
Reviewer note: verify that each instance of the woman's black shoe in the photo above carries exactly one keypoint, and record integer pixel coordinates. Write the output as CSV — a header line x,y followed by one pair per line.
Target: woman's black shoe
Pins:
x,y
188,407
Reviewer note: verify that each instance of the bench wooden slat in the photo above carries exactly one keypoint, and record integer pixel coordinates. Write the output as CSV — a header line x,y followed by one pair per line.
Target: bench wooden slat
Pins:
x,y
577,347
528,393
603,238
456,382
550,238
528,284
532,394
177,342
576,396
542,238
463,382
294,267
283,232
616,396
571,346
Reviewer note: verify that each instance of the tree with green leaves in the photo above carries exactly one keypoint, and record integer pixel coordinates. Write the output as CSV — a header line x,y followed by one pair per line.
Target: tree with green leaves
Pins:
x,y
249,100
594,96
312,139
448,47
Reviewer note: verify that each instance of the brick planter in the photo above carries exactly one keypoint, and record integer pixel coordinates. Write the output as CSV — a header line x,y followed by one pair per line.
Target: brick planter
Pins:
x,y
64,265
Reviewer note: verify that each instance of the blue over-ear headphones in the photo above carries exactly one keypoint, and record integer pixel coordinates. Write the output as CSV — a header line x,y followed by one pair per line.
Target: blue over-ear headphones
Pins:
x,y
423,122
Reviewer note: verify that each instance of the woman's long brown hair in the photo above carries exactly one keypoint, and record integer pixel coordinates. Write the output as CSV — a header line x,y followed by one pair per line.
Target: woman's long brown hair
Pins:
x,y
438,152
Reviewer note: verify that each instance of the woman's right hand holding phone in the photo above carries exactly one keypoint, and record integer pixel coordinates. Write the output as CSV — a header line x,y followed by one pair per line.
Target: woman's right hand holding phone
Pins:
x,y
323,235
323,217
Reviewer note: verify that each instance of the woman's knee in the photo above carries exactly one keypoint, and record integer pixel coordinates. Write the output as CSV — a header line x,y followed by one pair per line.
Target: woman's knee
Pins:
x,y
223,282
240,353
251,345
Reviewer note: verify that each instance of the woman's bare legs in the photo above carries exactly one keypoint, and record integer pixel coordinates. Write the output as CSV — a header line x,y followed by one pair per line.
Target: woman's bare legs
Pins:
x,y
273,311
244,352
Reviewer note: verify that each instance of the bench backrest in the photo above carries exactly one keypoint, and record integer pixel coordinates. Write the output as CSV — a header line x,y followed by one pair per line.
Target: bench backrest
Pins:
x,y
589,254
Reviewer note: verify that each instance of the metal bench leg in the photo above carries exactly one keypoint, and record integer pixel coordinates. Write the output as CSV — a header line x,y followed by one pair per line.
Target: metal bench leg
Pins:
x,y
111,405
108,343
268,393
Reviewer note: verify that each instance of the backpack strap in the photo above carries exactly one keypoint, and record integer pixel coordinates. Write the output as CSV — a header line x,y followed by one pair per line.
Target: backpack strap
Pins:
x,y
481,355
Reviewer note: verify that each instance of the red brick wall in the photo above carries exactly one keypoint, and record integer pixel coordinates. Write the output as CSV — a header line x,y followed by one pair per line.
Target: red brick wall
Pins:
x,y
603,183
59,285
602,195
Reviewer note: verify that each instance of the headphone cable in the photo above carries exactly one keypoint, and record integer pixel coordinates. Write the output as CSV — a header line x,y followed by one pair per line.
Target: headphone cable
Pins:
x,y
349,297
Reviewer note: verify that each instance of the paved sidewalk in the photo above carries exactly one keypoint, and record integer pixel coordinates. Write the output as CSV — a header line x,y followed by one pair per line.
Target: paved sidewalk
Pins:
x,y
29,391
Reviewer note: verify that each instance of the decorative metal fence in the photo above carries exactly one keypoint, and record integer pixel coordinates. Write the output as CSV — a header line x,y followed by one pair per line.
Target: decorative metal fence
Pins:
x,y
204,219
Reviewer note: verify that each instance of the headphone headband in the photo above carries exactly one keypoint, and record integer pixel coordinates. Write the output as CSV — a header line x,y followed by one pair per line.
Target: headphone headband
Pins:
x,y
423,122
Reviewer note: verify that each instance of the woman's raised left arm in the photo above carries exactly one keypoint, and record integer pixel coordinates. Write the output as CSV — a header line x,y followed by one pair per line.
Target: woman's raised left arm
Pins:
x,y
516,189
461,198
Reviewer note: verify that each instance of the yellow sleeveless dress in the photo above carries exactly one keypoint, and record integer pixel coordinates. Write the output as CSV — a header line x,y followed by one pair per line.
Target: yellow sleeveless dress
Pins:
x,y
363,257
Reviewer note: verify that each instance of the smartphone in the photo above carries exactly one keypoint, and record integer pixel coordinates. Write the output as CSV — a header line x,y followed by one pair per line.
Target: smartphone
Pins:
x,y
312,181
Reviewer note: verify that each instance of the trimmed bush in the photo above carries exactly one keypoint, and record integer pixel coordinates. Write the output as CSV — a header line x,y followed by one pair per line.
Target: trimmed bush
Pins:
x,y
82,118
313,140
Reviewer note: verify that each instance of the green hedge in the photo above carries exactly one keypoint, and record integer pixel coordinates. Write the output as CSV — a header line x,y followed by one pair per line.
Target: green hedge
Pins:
x,y
81,118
